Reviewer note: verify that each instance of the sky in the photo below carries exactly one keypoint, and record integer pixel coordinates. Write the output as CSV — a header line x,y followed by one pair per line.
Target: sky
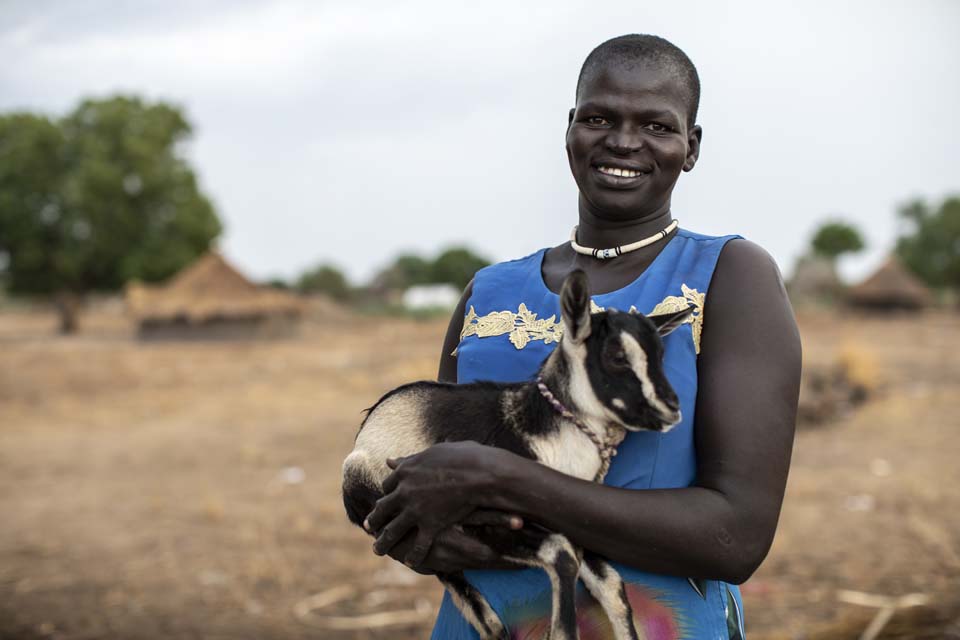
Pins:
x,y
349,132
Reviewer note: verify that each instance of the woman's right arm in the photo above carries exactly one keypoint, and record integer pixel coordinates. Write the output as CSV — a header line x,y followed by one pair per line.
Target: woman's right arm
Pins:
x,y
448,361
452,549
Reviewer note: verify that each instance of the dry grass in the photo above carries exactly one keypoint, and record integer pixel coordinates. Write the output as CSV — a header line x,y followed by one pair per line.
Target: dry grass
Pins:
x,y
191,490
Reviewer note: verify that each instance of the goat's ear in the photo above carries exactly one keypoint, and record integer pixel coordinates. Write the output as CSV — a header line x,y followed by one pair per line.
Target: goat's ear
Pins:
x,y
575,306
667,322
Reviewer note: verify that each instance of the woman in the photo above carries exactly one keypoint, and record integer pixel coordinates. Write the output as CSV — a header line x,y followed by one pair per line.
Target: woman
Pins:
x,y
713,486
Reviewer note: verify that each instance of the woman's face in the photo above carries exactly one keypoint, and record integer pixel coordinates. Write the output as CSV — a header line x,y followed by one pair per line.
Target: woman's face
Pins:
x,y
628,141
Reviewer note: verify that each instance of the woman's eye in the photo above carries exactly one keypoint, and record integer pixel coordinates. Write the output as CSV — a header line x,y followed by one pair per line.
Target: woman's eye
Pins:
x,y
597,121
657,127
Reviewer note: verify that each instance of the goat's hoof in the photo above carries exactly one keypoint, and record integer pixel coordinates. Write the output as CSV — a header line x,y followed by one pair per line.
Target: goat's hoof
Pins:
x,y
499,633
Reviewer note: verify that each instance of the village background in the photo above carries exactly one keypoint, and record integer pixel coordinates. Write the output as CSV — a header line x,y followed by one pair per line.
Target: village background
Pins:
x,y
225,231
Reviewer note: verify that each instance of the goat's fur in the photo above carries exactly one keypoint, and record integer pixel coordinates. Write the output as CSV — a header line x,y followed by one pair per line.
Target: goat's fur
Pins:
x,y
607,370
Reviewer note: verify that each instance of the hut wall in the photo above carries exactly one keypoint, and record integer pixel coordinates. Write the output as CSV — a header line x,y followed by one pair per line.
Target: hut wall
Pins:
x,y
245,328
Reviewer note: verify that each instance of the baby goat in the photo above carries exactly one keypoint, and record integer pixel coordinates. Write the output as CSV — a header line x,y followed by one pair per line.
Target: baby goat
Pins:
x,y
604,378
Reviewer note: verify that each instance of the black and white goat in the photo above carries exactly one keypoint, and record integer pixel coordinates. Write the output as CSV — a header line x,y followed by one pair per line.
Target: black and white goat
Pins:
x,y
604,378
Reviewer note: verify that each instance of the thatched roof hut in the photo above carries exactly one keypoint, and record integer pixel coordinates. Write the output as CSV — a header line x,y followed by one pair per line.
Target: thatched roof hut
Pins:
x,y
211,299
892,286
814,281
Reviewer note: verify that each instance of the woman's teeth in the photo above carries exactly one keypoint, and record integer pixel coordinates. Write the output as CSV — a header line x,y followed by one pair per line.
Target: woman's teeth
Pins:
x,y
620,173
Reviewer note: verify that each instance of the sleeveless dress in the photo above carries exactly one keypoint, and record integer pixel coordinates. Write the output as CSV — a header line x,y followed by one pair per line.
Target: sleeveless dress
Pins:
x,y
511,326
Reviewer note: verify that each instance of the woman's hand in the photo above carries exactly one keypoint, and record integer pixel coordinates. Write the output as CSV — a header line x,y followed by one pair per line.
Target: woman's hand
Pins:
x,y
454,550
431,491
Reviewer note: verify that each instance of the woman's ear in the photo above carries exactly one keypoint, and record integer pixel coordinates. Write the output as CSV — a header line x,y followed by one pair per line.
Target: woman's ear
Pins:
x,y
693,147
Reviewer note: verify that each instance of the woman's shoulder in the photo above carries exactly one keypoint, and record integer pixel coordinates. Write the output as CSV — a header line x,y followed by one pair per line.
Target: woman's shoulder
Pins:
x,y
508,273
741,256
732,244
704,238
523,262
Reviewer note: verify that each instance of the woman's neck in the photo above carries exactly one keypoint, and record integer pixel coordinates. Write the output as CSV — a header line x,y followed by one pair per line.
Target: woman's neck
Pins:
x,y
603,233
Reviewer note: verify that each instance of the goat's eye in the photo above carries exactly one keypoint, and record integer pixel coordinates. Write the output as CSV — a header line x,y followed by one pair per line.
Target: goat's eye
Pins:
x,y
619,359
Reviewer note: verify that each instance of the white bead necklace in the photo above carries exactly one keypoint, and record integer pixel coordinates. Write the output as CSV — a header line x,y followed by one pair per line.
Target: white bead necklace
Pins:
x,y
603,254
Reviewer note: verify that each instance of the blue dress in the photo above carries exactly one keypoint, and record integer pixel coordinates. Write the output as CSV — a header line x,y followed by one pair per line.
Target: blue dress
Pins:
x,y
512,324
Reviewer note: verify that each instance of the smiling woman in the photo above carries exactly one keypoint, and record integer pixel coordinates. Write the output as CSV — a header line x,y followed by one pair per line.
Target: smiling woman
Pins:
x,y
685,515
622,110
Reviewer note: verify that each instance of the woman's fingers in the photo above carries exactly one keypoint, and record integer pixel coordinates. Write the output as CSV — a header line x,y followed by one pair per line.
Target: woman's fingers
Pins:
x,y
391,481
494,517
421,547
383,511
392,534
454,550
463,545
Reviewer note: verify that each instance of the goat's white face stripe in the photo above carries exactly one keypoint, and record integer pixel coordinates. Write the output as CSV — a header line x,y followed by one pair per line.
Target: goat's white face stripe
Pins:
x,y
595,413
639,363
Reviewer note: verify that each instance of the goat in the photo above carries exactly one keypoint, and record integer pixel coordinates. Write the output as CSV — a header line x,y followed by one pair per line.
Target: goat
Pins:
x,y
604,378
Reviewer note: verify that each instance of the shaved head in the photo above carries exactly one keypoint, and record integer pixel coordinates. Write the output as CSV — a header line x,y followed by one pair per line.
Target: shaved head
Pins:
x,y
636,51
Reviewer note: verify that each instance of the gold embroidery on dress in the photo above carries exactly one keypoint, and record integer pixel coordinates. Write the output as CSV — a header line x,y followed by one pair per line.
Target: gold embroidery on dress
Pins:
x,y
524,326
671,304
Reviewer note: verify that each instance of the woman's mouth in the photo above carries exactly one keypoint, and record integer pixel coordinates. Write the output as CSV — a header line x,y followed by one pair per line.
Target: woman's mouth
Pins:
x,y
619,176
620,173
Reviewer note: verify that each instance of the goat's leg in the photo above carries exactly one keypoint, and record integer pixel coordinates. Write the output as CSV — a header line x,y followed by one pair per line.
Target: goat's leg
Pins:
x,y
559,559
474,607
537,547
607,587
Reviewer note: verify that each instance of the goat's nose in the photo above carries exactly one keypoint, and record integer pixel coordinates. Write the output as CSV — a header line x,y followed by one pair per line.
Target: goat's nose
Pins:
x,y
672,403
672,413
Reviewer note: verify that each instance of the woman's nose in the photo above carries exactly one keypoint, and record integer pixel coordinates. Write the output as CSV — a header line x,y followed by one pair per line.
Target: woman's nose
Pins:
x,y
623,142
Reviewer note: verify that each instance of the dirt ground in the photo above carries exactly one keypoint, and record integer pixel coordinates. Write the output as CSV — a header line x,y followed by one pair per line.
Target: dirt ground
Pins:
x,y
190,490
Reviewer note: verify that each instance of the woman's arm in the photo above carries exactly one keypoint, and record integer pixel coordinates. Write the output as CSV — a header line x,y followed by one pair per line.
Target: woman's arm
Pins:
x,y
722,527
448,361
452,550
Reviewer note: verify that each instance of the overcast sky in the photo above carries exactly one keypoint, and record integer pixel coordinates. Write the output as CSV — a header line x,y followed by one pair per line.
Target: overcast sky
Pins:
x,y
348,132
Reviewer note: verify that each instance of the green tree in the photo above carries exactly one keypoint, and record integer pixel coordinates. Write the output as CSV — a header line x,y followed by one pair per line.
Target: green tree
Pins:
x,y
407,270
930,246
833,239
98,198
325,279
277,283
457,266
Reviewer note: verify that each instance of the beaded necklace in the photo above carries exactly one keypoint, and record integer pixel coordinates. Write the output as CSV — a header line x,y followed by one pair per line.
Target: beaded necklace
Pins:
x,y
607,450
603,254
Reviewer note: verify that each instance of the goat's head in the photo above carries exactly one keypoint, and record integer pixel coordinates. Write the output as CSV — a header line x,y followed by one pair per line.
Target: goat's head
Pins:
x,y
614,361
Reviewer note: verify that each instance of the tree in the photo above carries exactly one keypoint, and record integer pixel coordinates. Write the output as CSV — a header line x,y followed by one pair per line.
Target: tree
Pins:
x,y
930,246
406,271
277,283
325,279
833,239
97,198
457,266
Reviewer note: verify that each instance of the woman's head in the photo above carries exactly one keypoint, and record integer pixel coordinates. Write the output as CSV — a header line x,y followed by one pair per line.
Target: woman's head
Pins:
x,y
633,51
632,131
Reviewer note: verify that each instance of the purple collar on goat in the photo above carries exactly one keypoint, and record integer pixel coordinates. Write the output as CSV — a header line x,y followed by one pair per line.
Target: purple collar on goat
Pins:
x,y
606,449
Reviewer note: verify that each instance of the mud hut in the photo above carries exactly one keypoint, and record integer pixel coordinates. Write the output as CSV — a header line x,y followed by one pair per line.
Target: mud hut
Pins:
x,y
891,287
208,300
814,281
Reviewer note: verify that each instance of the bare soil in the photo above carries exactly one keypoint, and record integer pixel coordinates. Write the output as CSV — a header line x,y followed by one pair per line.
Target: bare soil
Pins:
x,y
191,490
